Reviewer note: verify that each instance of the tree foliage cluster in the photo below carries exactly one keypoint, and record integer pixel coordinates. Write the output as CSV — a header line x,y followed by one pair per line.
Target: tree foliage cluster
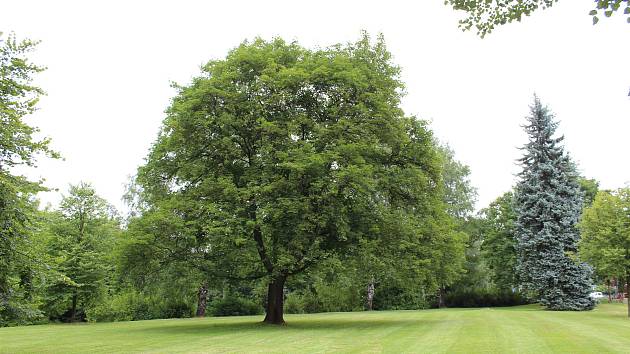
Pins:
x,y
17,204
485,15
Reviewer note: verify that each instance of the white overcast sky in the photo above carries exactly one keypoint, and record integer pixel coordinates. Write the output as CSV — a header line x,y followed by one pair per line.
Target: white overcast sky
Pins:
x,y
110,64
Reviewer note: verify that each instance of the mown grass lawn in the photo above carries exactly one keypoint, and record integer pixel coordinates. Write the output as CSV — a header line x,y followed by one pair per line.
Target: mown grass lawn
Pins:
x,y
523,329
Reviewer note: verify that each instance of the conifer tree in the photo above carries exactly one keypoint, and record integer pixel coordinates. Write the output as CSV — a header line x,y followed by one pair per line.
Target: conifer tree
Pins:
x,y
548,203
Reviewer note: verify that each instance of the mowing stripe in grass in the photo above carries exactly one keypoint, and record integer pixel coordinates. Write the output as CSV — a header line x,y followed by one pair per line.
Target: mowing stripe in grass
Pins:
x,y
524,329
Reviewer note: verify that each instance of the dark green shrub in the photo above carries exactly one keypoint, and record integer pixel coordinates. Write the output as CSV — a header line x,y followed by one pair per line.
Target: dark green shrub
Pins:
x,y
127,305
324,297
294,303
484,298
393,296
234,306
338,298
132,305
176,309
311,303
14,313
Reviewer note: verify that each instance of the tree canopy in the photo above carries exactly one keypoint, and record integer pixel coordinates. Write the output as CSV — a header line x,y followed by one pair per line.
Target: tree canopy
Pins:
x,y
18,98
459,193
485,15
278,157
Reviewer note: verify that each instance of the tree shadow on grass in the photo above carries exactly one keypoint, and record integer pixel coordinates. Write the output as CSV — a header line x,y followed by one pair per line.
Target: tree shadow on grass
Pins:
x,y
209,326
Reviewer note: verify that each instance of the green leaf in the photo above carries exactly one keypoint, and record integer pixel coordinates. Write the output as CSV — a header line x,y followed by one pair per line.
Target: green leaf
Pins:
x,y
608,13
593,12
627,10
595,20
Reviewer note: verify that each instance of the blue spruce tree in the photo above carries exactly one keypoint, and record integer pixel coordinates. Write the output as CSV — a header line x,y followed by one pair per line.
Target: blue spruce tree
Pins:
x,y
548,204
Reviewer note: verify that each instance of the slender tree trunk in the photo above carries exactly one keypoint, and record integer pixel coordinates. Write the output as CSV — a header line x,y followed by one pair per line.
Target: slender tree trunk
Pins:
x,y
275,301
370,295
73,310
26,281
441,301
609,292
202,299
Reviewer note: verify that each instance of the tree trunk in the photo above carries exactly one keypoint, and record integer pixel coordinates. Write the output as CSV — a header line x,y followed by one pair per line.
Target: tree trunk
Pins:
x,y
609,292
626,289
370,295
275,301
73,310
202,300
441,302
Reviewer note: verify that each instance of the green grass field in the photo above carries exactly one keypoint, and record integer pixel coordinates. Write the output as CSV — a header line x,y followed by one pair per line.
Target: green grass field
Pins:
x,y
523,329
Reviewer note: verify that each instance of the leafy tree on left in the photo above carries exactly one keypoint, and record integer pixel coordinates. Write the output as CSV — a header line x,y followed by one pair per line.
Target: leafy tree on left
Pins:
x,y
18,146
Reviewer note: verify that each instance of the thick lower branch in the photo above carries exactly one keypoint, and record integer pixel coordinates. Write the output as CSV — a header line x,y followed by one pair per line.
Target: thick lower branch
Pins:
x,y
260,246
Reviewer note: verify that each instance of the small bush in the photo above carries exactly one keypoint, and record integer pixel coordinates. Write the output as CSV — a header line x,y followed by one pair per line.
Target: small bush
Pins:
x,y
234,306
176,309
338,298
131,305
396,296
294,303
324,297
125,306
14,313
312,304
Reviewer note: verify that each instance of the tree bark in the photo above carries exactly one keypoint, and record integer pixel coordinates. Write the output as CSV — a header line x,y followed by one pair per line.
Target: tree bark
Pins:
x,y
609,292
370,295
73,310
275,301
202,300
441,302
